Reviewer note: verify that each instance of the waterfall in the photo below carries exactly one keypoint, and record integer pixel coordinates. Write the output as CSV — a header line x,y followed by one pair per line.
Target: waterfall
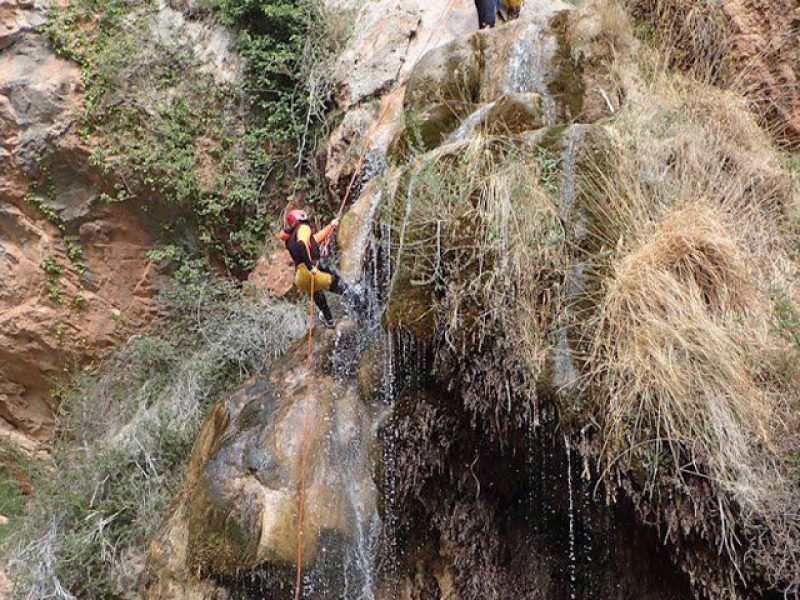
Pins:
x,y
530,65
361,571
571,521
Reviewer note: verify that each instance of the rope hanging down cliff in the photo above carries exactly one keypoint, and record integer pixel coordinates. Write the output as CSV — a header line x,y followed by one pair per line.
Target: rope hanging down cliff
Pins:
x,y
309,357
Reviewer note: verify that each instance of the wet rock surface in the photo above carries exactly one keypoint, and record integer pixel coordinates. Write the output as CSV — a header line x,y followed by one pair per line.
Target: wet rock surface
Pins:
x,y
304,431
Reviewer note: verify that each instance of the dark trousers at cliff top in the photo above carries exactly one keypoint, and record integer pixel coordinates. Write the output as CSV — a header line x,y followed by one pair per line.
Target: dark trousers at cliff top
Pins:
x,y
487,11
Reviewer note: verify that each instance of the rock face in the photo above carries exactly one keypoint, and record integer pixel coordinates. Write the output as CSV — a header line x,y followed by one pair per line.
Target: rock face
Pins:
x,y
75,276
441,79
479,499
298,439
766,53
74,272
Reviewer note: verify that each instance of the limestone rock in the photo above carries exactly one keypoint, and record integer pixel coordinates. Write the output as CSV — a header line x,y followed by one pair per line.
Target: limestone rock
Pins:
x,y
389,38
243,483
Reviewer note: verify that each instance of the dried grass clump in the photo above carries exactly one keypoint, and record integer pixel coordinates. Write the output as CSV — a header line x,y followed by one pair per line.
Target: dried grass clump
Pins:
x,y
673,354
692,216
692,36
481,232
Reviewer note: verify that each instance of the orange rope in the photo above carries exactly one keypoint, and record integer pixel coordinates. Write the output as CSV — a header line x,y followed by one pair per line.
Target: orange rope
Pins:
x,y
301,501
401,82
309,362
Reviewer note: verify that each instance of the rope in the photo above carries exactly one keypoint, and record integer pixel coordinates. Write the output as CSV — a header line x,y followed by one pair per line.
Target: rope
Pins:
x,y
301,501
309,362
372,130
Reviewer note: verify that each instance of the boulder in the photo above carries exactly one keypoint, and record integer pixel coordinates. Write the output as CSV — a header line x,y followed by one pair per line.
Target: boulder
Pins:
x,y
240,506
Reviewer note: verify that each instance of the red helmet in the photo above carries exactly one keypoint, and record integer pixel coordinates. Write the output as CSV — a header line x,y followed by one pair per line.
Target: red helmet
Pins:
x,y
295,216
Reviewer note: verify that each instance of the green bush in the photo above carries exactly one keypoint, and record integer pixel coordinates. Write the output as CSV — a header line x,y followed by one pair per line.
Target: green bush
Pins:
x,y
221,161
125,432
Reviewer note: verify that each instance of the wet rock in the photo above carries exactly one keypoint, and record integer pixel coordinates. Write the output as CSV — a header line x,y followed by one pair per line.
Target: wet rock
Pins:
x,y
510,115
244,479
389,38
352,235
411,308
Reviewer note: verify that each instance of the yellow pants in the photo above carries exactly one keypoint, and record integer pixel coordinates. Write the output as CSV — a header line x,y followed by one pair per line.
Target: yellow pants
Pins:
x,y
303,278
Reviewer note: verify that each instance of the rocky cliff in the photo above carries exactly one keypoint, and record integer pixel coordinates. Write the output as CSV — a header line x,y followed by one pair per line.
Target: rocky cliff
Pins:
x,y
571,371
494,474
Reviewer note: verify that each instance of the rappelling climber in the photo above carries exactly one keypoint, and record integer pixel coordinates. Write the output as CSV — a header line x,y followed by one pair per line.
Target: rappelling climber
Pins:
x,y
487,12
305,247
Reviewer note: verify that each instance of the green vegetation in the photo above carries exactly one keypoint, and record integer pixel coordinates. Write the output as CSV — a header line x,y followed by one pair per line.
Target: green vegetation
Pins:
x,y
215,164
787,320
53,272
40,198
12,497
125,434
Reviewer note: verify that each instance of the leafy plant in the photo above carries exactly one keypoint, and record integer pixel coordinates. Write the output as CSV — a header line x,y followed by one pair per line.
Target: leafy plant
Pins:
x,y
219,160
53,272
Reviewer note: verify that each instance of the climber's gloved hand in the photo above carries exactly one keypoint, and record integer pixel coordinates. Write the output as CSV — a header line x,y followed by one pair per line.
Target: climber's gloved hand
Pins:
x,y
335,223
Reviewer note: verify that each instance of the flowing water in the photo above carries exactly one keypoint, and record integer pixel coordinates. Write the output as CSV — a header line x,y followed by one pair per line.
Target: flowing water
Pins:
x,y
531,64
358,568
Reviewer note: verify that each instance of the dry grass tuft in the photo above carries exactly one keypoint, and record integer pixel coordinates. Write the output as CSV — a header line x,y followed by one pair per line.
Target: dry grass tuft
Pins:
x,y
693,37
480,231
691,207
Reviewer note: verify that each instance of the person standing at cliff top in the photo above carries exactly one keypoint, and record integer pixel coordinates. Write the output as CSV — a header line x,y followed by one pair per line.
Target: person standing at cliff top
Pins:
x,y
487,11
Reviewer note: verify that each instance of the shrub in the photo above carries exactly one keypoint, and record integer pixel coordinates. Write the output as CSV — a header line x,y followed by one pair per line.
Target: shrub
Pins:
x,y
125,432
219,157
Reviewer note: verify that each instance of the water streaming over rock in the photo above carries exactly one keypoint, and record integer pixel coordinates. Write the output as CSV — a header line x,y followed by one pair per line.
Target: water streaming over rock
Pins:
x,y
530,66
529,497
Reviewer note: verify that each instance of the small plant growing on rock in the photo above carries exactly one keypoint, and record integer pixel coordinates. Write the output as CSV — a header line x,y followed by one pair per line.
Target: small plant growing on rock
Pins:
x,y
53,271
